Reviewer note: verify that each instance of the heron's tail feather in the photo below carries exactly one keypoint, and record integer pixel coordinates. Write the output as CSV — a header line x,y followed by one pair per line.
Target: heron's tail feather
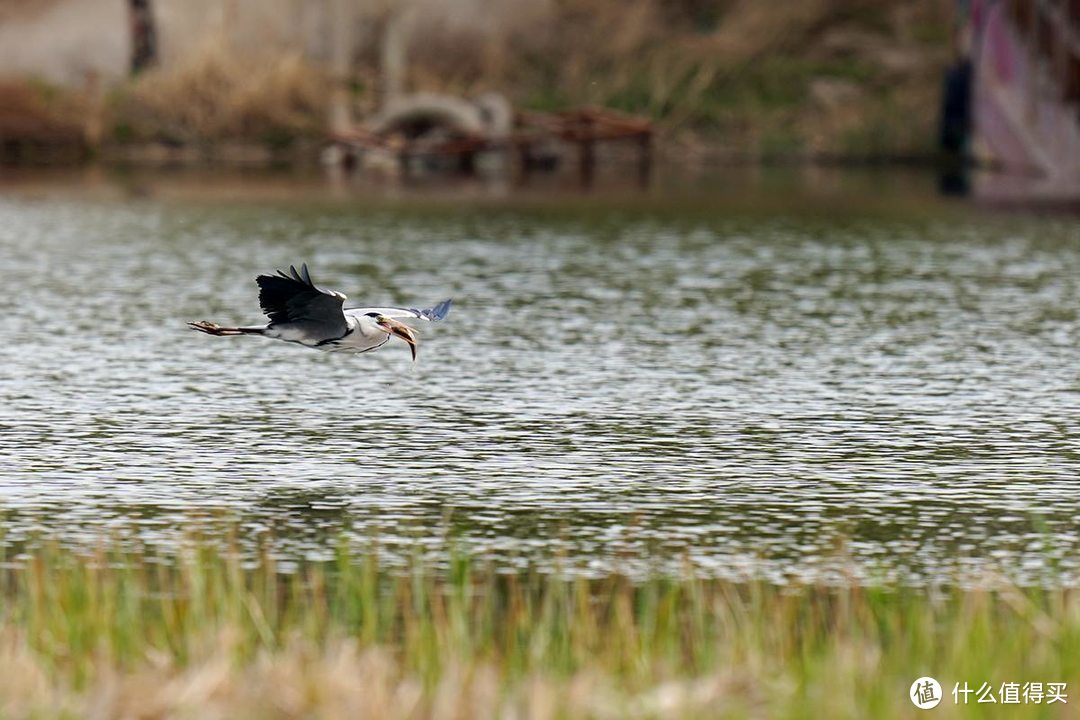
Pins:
x,y
438,312
214,329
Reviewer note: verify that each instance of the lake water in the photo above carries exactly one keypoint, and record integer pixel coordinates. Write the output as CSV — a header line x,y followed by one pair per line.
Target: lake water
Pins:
x,y
787,395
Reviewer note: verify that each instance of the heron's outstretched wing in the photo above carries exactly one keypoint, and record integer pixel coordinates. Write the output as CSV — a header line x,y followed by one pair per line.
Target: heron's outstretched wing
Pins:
x,y
293,300
431,314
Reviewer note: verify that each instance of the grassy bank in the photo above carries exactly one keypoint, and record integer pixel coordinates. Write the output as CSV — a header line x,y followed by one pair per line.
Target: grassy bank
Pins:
x,y
114,634
853,79
849,79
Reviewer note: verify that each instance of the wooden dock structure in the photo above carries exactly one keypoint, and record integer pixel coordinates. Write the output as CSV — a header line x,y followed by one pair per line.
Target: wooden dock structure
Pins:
x,y
534,142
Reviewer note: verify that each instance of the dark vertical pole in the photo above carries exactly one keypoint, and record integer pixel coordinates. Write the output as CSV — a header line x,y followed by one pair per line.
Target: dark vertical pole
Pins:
x,y
467,164
524,162
644,157
143,36
587,150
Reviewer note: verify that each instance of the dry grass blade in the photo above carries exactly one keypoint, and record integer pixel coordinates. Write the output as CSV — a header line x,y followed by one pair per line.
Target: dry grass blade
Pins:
x,y
219,94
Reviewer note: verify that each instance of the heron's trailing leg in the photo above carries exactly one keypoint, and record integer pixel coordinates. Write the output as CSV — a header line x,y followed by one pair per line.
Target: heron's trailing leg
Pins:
x,y
214,329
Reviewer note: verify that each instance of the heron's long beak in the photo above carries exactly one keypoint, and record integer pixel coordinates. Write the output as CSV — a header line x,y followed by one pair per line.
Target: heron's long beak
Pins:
x,y
403,331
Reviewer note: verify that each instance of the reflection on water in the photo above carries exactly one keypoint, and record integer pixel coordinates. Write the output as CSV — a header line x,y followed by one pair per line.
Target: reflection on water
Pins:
x,y
753,395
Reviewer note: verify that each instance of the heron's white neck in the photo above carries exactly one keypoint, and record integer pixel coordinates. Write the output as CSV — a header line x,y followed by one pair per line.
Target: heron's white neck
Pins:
x,y
366,326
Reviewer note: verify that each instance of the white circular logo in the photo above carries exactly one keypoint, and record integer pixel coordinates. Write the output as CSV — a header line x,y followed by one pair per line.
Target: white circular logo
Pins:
x,y
925,693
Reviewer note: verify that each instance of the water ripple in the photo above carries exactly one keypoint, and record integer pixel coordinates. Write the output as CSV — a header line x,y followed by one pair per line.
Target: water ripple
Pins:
x,y
753,397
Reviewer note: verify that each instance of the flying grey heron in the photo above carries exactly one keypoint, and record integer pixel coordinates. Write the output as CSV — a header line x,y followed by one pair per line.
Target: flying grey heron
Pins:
x,y
301,312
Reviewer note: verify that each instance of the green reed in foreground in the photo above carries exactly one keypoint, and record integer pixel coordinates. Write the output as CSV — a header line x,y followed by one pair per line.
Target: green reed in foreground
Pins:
x,y
115,634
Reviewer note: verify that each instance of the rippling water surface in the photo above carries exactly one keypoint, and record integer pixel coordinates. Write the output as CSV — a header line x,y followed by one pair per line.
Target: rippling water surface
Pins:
x,y
753,395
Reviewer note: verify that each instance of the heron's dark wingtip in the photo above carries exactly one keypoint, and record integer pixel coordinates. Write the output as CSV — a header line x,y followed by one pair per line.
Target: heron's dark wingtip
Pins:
x,y
301,276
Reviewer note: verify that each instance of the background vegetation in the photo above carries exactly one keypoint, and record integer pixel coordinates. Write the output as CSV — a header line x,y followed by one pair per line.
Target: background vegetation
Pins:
x,y
851,79
818,77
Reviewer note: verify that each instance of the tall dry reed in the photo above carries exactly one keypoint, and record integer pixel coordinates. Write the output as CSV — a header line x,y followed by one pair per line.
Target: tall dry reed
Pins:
x,y
218,93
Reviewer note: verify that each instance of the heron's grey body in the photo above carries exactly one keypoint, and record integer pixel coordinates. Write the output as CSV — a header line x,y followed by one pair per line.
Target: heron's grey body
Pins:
x,y
301,312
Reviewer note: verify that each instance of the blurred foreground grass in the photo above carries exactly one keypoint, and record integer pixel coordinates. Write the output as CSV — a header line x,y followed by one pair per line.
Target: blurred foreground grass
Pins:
x,y
209,634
